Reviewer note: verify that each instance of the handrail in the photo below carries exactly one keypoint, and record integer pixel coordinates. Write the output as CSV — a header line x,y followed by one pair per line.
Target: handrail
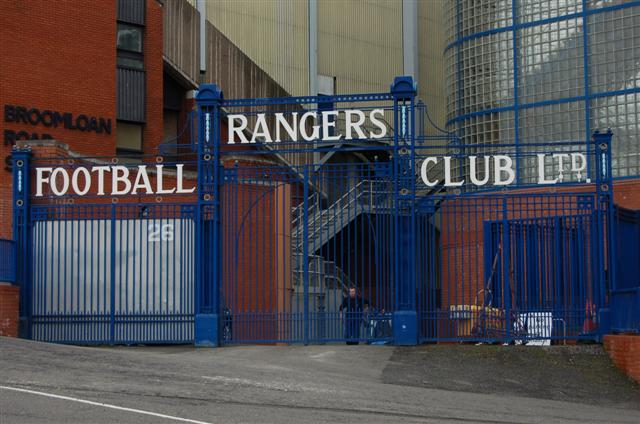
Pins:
x,y
338,274
345,200
312,204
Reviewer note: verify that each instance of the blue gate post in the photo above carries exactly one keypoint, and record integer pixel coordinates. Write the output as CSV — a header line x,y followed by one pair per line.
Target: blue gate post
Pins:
x,y
405,318
606,239
22,234
208,243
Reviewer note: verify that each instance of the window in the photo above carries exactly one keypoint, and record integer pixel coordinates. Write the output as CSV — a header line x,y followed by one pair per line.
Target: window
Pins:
x,y
129,44
129,38
129,137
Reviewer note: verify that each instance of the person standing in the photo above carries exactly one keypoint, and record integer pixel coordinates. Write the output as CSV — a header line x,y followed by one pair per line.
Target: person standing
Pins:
x,y
351,312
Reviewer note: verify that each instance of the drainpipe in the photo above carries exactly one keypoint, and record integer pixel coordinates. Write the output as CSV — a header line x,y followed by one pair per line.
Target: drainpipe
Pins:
x,y
202,10
313,58
410,38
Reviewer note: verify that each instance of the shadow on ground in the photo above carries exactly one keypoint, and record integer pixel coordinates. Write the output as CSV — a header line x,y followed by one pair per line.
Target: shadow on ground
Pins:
x,y
582,373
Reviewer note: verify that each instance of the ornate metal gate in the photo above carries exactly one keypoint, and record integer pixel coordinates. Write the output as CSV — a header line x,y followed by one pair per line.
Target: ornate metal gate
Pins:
x,y
314,220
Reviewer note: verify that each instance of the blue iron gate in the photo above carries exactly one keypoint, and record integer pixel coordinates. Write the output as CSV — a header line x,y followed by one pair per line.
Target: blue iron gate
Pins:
x,y
313,220
7,261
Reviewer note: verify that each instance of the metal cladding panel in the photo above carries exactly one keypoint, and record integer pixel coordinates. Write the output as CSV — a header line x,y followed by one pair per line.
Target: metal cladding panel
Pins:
x,y
360,43
131,95
431,43
131,11
272,34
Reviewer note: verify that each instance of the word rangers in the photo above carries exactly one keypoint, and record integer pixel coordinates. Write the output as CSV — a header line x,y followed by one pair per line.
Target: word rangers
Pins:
x,y
295,126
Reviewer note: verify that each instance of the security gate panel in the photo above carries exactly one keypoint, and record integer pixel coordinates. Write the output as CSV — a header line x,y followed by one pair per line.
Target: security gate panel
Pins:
x,y
112,280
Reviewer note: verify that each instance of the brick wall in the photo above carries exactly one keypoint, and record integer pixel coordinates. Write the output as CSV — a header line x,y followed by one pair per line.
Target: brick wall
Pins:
x,y
9,304
626,194
62,57
625,353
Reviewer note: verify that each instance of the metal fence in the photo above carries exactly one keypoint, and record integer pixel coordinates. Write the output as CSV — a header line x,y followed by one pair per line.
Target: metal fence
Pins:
x,y
335,231
625,293
7,261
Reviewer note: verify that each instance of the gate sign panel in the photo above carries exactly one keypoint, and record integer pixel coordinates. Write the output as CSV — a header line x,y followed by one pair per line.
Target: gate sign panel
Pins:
x,y
316,220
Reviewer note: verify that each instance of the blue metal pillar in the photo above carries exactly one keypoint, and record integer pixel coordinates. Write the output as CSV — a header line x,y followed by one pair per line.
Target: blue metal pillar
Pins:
x,y
208,239
606,238
405,319
22,234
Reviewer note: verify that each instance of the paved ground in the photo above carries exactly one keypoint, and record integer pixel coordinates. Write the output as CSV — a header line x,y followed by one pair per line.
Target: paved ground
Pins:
x,y
309,384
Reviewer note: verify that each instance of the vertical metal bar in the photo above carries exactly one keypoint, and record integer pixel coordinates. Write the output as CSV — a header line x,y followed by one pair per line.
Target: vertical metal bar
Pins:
x,y
506,278
305,254
516,100
587,89
112,263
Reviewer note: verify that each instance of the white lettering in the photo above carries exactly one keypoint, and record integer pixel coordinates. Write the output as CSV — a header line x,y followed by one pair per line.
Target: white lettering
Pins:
x,y
303,126
101,170
541,174
447,174
233,130
54,181
560,157
329,122
378,123
261,129
350,125
179,189
473,173
145,183
501,164
423,171
292,130
87,181
159,188
574,164
40,179
120,174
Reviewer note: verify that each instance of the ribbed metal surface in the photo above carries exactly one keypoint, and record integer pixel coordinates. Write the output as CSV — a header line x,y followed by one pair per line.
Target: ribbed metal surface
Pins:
x,y
273,34
181,38
359,43
131,94
131,11
431,42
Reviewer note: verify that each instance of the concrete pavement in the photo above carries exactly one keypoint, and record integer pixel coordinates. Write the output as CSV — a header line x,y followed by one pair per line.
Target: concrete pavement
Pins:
x,y
254,384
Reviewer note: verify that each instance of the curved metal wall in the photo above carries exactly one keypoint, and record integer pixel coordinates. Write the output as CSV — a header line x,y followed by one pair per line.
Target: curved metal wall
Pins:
x,y
527,71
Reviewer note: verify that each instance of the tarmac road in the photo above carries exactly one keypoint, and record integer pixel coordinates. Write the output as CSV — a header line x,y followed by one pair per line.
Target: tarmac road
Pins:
x,y
47,383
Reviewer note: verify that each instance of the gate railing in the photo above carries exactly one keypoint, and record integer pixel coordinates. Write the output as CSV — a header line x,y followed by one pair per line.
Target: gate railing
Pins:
x,y
7,261
297,212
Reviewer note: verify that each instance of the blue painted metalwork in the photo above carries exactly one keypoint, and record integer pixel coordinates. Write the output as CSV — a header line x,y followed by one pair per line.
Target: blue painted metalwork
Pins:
x,y
22,232
272,243
515,27
625,291
208,241
554,19
7,261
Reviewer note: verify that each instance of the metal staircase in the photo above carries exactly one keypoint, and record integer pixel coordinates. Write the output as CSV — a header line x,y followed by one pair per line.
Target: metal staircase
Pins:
x,y
368,196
